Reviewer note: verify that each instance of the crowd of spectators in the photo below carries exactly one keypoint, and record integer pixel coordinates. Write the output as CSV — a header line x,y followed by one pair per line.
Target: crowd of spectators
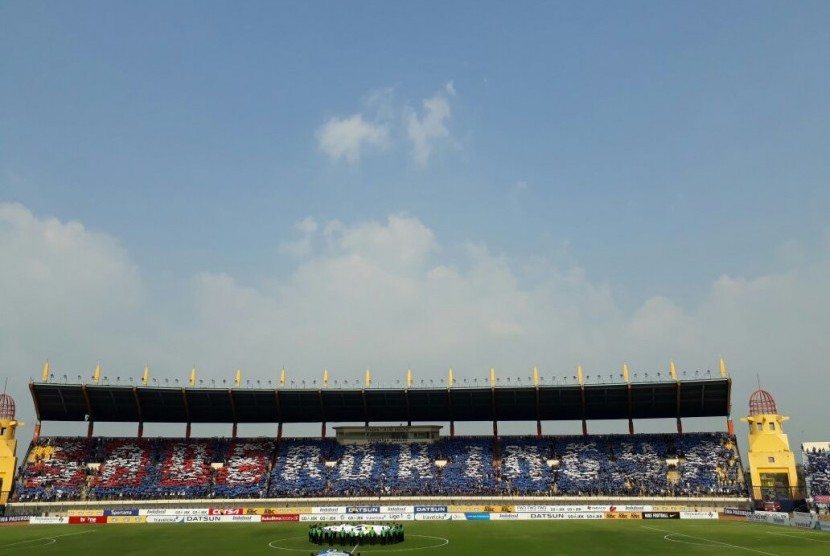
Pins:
x,y
817,471
692,464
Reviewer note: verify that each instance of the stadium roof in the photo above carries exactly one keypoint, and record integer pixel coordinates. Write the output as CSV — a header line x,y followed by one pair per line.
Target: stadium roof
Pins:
x,y
650,400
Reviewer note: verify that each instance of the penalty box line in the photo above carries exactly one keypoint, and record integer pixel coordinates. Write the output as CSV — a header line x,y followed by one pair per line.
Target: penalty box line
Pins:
x,y
707,540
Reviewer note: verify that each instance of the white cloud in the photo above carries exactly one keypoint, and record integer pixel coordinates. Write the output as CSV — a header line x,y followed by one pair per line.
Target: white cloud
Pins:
x,y
387,295
376,126
424,130
301,247
350,137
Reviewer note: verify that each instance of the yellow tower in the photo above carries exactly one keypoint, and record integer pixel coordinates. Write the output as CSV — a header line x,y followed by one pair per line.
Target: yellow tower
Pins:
x,y
771,462
8,445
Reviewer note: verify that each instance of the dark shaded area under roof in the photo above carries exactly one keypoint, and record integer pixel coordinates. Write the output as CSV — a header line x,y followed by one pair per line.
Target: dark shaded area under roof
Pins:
x,y
133,404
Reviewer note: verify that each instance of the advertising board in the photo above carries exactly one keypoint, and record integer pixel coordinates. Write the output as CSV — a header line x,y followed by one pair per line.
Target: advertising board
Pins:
x,y
698,515
430,509
126,519
661,515
37,520
280,517
623,515
87,520
773,518
118,511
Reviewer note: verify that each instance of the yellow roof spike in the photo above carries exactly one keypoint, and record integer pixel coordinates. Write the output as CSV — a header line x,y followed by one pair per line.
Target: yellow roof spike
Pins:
x,y
325,377
672,369
535,376
722,368
193,376
408,377
146,376
282,377
97,376
492,377
46,372
449,378
579,373
625,372
368,378
238,378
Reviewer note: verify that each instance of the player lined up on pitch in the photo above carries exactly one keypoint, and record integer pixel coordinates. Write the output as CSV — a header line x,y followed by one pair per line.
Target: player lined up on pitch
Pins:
x,y
353,535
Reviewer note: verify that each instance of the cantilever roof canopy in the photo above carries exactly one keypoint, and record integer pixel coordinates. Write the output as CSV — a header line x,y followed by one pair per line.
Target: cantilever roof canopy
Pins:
x,y
650,400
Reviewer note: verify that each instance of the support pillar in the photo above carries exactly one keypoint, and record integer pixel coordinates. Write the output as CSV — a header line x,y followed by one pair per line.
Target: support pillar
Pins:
x,y
140,429
538,428
631,426
323,430
233,431
90,429
187,432
37,433
679,426
452,429
730,427
584,427
495,429
279,431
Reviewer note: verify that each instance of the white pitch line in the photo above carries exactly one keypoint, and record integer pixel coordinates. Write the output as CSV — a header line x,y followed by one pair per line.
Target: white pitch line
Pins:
x,y
707,540
798,537
50,538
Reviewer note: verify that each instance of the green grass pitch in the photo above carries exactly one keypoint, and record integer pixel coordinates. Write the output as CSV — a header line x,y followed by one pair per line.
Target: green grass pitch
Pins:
x,y
543,538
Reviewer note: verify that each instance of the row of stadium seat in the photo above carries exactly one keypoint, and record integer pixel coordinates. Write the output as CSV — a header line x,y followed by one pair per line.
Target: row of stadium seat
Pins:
x,y
163,468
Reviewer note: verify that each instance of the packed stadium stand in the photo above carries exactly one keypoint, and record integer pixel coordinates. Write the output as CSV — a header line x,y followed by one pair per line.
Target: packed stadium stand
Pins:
x,y
816,461
692,464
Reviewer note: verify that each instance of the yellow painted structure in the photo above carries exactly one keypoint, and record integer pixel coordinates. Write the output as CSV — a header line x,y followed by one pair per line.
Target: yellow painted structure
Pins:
x,y
8,460
771,462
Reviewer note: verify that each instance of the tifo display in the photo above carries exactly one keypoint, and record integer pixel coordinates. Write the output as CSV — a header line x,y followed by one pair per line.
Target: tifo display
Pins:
x,y
692,464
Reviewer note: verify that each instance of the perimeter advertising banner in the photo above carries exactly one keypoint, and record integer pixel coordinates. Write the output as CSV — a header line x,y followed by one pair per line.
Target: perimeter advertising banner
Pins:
x,y
698,515
804,520
322,518
774,518
279,517
126,519
433,517
87,520
36,520
737,512
14,519
115,512
173,511
623,515
661,515
75,513
431,509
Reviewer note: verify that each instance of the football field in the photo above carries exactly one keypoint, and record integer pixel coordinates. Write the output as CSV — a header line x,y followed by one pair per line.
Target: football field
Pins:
x,y
565,538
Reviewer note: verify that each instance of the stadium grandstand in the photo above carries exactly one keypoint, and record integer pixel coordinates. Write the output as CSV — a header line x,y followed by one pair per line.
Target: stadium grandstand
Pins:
x,y
411,461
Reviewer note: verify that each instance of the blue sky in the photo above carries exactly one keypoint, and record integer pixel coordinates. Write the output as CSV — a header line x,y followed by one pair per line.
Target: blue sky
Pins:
x,y
575,182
